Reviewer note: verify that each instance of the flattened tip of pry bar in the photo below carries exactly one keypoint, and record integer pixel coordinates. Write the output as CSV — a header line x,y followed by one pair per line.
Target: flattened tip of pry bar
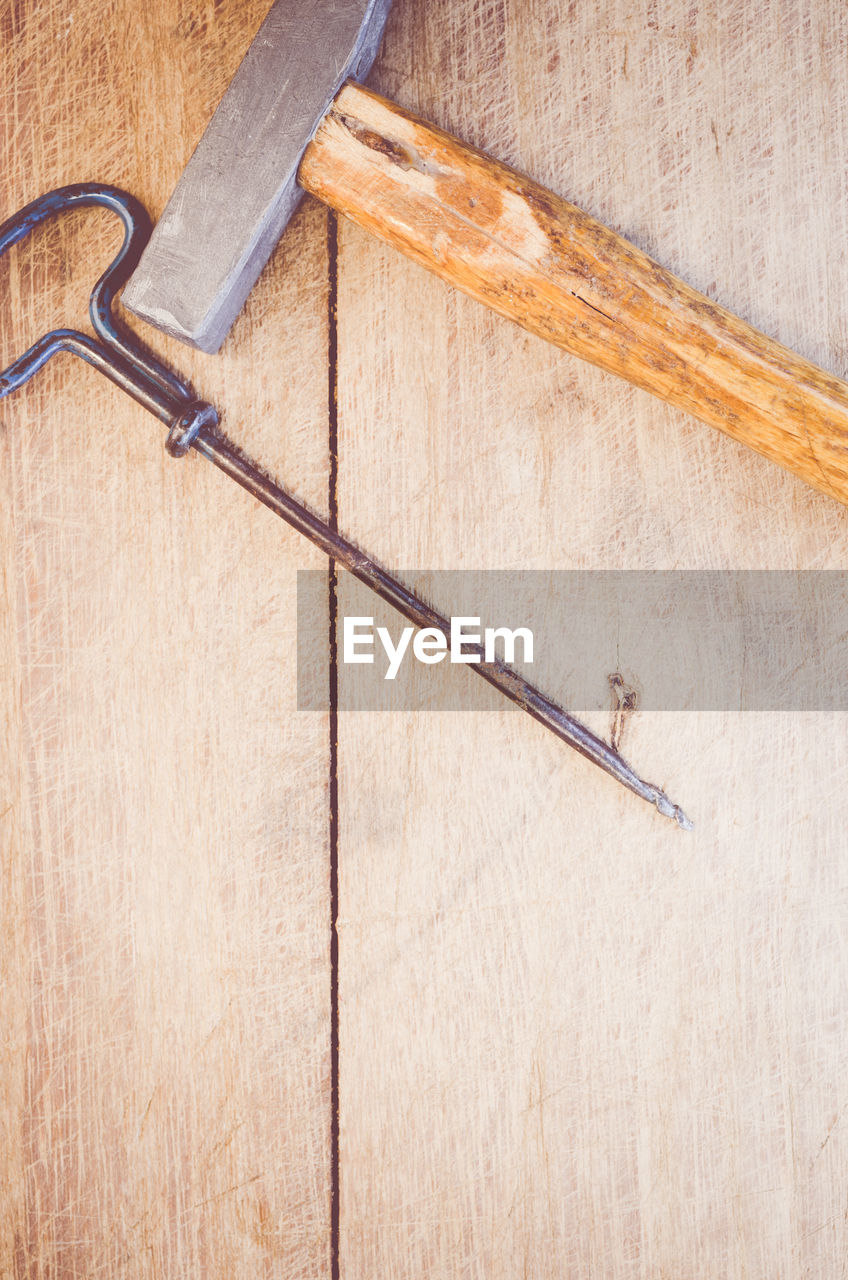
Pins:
x,y
669,810
582,739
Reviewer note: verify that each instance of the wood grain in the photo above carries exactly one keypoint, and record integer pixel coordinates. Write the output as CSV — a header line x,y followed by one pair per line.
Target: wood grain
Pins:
x,y
164,1087
573,1040
540,261
576,1043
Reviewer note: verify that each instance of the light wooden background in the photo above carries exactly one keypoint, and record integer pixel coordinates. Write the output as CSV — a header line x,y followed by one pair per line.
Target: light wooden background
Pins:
x,y
573,1040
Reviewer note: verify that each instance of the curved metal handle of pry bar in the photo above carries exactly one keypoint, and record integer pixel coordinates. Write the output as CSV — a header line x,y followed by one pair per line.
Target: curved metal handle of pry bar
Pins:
x,y
193,424
114,352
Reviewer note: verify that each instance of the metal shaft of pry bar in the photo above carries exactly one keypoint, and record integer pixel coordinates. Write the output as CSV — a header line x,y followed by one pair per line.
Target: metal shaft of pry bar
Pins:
x,y
193,424
212,445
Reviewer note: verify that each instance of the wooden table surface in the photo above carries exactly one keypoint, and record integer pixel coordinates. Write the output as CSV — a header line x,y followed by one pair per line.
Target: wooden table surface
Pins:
x,y
572,1040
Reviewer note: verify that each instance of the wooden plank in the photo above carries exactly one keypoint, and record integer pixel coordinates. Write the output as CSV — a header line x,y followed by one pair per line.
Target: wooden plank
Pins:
x,y
165,988
574,1040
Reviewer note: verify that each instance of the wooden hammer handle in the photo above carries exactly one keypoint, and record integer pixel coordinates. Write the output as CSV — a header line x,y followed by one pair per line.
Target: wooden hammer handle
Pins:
x,y
537,259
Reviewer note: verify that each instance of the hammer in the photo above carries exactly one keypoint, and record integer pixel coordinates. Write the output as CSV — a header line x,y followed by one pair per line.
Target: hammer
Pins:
x,y
294,120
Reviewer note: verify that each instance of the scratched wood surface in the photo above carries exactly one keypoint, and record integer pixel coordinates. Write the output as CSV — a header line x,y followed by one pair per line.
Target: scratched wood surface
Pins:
x,y
576,1041
165,915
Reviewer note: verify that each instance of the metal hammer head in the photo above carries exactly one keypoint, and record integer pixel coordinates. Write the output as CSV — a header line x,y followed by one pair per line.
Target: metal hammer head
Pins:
x,y
239,189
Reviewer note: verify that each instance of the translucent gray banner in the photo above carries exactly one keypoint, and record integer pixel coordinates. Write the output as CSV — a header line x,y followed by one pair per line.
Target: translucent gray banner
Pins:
x,y
713,640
